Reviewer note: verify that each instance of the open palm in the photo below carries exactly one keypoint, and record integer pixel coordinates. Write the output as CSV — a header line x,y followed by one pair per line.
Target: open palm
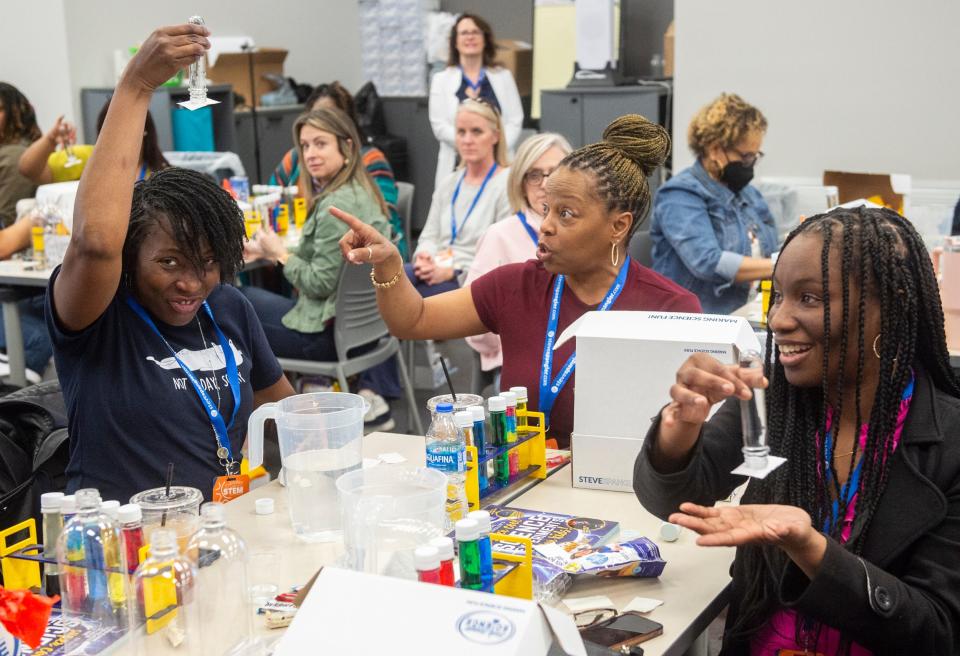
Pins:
x,y
731,526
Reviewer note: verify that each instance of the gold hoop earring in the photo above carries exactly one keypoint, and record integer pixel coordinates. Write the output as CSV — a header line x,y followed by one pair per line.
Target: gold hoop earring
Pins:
x,y
614,254
875,351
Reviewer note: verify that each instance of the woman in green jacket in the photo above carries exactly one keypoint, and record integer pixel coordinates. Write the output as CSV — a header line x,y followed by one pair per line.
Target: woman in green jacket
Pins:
x,y
332,175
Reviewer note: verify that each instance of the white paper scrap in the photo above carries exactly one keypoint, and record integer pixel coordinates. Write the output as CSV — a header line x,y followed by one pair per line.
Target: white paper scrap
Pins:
x,y
370,462
578,604
772,463
642,604
391,458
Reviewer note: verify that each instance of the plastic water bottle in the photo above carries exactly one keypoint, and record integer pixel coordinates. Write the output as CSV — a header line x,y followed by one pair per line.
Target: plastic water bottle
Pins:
x,y
446,452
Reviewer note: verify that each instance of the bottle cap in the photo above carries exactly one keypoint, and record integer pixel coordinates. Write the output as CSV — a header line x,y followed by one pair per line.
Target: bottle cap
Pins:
x,y
482,518
521,393
68,504
162,539
264,506
444,546
111,508
497,404
444,407
88,499
510,399
426,558
463,419
467,530
478,413
129,513
669,532
211,513
51,501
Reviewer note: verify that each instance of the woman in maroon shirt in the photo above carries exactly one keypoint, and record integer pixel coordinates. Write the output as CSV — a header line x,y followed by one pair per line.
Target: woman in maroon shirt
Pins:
x,y
596,199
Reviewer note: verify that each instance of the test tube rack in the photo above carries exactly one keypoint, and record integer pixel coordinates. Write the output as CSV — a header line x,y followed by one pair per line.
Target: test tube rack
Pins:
x,y
20,570
531,443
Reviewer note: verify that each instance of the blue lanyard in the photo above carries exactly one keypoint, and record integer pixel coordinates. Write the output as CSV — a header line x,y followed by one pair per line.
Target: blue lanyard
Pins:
x,y
849,489
530,231
233,377
453,201
548,391
143,173
470,83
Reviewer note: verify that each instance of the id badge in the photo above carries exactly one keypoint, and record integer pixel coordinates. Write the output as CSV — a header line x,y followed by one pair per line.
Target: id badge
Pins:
x,y
444,258
227,488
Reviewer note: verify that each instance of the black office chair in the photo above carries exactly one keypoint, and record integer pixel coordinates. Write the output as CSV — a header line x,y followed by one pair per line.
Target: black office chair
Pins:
x,y
641,248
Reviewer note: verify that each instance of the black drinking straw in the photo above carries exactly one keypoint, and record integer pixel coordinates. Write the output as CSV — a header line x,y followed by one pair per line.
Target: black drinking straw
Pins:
x,y
163,517
446,374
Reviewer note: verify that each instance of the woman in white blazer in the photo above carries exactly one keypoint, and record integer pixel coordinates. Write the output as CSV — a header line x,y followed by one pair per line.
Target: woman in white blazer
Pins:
x,y
471,73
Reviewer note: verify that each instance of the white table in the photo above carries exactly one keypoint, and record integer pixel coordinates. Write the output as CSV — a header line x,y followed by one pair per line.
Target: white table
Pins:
x,y
693,586
18,273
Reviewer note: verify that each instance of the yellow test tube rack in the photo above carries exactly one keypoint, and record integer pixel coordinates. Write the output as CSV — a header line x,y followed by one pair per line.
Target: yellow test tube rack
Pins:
x,y
19,573
518,582
531,444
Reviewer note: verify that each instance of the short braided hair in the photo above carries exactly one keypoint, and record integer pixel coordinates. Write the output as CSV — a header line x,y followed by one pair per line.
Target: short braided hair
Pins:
x,y
631,149
724,122
21,121
199,213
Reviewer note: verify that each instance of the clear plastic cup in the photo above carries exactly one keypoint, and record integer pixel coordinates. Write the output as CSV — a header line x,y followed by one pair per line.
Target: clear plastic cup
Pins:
x,y
463,402
179,511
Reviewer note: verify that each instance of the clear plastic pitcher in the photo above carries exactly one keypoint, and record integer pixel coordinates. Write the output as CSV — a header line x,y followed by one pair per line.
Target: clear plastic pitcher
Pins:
x,y
320,439
388,511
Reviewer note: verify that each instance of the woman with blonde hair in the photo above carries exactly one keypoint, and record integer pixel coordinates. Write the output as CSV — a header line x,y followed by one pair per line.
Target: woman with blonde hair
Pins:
x,y
465,204
331,174
514,238
712,232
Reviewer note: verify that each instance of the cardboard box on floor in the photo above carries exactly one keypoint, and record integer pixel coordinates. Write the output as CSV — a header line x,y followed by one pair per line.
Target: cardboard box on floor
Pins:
x,y
517,57
233,68
668,40
888,189
346,612
626,363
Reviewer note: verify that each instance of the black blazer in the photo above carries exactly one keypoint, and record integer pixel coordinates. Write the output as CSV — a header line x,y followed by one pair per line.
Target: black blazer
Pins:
x,y
903,596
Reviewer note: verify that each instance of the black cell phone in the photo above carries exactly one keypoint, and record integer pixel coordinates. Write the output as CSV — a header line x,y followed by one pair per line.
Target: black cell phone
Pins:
x,y
626,629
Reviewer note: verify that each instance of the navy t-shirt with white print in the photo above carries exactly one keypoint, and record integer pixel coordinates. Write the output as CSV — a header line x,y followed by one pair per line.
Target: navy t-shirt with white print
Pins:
x,y
132,410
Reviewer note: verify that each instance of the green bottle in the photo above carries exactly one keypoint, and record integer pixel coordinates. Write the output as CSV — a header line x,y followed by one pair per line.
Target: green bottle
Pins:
x,y
468,547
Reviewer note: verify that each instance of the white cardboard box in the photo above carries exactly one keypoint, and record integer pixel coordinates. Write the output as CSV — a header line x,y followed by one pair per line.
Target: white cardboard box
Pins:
x,y
348,612
626,363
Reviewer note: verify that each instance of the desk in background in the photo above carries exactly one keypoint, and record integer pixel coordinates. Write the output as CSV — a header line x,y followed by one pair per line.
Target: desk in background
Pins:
x,y
15,277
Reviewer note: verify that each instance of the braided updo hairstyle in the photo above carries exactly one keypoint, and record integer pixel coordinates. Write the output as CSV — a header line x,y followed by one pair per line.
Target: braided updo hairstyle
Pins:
x,y
631,149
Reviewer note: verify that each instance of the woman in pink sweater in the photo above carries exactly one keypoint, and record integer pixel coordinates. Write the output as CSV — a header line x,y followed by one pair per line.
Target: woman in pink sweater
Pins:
x,y
514,238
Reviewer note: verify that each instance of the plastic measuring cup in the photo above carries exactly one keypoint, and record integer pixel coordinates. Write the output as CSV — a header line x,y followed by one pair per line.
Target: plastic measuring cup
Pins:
x,y
388,511
320,439
181,508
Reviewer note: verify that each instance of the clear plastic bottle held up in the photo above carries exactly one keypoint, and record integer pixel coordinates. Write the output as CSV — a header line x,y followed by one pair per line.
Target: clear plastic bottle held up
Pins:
x,y
94,587
167,582
197,79
446,452
753,417
220,555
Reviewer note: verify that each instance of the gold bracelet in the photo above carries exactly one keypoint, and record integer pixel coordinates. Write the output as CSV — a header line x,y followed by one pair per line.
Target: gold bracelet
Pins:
x,y
385,285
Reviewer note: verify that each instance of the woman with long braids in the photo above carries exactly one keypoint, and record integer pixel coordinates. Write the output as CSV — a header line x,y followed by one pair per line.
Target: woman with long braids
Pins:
x,y
853,545
158,360
595,199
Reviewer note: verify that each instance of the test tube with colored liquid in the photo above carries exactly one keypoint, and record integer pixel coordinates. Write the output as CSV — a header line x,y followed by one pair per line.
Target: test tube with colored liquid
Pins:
x,y
482,517
50,503
468,546
480,441
444,546
524,449
498,424
426,561
511,413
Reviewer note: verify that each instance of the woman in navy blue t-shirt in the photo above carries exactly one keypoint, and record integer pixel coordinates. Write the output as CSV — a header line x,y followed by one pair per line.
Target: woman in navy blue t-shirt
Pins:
x,y
158,360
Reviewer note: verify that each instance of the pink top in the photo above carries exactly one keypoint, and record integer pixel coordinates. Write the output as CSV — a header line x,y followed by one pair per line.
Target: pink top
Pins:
x,y
504,242
779,632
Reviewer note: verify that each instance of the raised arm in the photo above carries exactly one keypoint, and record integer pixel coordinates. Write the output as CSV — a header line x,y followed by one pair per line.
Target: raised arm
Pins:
x,y
33,161
91,270
407,314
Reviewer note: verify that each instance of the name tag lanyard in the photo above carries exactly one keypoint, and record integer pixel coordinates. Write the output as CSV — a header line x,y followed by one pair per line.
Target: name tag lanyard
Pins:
x,y
453,203
529,228
548,391
220,428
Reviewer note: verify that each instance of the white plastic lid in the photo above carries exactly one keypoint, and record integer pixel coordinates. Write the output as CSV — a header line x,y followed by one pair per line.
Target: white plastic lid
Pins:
x,y
497,403
51,501
482,517
669,532
478,413
88,498
510,398
211,513
467,530
426,558
444,546
521,393
264,506
111,508
463,419
68,504
128,513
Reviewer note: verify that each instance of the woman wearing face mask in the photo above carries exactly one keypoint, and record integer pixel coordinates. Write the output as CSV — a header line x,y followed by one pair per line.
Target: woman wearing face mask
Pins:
x,y
595,200
515,238
712,232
